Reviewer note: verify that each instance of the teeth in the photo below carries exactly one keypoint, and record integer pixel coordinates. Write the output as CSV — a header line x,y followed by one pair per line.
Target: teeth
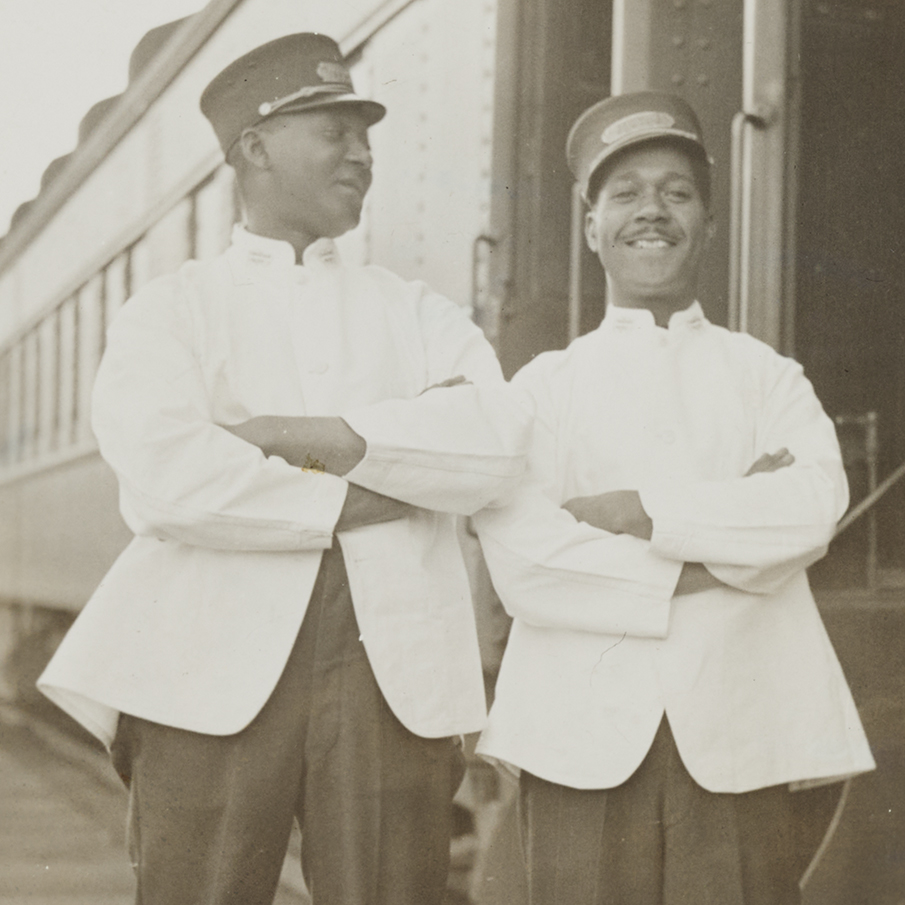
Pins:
x,y
649,243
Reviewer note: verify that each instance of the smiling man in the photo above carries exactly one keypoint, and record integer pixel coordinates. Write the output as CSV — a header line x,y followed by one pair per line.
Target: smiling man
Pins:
x,y
290,633
668,682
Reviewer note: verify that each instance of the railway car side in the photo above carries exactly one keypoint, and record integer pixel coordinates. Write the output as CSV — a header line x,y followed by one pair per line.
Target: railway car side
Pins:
x,y
800,104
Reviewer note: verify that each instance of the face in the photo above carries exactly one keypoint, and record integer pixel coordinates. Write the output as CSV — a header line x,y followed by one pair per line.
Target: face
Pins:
x,y
319,164
649,228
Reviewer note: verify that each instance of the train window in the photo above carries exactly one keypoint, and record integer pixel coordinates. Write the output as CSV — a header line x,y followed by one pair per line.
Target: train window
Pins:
x,y
88,345
139,265
116,288
67,397
28,425
5,409
47,339
170,239
14,438
215,213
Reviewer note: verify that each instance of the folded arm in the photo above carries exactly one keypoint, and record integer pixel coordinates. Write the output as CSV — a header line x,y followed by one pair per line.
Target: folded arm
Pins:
x,y
460,444
328,445
554,570
622,512
181,476
755,531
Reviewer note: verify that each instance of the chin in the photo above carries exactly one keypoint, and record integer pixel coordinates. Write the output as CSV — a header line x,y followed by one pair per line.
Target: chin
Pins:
x,y
344,222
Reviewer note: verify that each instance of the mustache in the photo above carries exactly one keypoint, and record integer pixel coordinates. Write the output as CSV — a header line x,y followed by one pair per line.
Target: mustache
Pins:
x,y
649,232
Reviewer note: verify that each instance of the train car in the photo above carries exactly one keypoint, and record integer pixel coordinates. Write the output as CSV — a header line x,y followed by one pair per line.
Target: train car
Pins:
x,y
801,106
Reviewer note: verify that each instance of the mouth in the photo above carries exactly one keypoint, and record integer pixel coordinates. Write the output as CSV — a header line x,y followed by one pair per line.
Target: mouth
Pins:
x,y
359,186
651,242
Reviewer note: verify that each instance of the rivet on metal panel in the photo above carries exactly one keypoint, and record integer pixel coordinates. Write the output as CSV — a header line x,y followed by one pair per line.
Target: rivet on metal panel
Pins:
x,y
703,43
678,79
703,79
678,40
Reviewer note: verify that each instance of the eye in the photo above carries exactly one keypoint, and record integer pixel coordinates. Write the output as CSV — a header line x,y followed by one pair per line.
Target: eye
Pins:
x,y
623,194
680,193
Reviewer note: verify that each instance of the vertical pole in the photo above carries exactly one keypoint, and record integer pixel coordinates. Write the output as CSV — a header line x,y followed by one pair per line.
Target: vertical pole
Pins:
x,y
576,240
871,455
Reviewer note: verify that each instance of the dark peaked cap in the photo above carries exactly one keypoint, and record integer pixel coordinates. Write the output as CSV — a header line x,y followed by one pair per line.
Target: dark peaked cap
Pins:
x,y
625,120
291,74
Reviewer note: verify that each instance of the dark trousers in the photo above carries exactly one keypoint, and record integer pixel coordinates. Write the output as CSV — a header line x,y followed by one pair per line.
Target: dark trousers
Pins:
x,y
210,816
660,839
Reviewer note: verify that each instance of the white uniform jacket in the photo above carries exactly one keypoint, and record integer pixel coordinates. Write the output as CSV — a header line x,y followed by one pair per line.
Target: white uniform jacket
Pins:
x,y
193,624
599,647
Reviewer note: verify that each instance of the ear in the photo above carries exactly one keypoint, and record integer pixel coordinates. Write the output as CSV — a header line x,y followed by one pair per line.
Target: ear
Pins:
x,y
590,230
253,145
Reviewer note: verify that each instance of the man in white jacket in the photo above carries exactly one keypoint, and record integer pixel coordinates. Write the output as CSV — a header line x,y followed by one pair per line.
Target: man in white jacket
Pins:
x,y
290,633
668,681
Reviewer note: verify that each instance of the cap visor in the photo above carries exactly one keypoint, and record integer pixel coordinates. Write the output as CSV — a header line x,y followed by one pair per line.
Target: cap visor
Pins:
x,y
373,111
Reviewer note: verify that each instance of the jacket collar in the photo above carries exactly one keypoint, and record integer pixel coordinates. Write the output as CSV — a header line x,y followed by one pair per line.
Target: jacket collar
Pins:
x,y
252,257
617,318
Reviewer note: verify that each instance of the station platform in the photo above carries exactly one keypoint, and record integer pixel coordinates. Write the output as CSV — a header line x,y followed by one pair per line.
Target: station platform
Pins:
x,y
62,822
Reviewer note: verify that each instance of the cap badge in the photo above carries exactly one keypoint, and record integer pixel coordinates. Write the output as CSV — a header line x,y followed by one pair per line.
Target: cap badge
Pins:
x,y
329,71
637,122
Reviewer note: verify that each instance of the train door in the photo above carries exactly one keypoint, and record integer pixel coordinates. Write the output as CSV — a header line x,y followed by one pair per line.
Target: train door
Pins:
x,y
849,313
845,322
559,63
566,54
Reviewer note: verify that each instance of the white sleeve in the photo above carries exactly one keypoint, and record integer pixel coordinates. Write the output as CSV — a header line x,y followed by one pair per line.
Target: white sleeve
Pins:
x,y
181,476
754,533
450,449
553,571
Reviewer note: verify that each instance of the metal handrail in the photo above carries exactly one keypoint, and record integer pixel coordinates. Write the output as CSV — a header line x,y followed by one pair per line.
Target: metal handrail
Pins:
x,y
869,423
871,499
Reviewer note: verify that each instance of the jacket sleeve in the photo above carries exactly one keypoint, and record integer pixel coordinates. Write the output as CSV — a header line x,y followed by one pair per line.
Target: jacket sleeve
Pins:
x,y
181,476
553,571
450,449
753,533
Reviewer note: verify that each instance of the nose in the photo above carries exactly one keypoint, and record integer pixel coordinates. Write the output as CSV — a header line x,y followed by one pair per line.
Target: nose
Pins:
x,y
652,206
358,150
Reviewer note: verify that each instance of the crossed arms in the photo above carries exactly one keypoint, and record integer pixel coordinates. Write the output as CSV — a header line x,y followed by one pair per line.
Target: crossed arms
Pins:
x,y
324,444
622,512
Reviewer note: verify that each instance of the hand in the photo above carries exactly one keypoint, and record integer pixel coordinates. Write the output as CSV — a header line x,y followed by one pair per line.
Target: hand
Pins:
x,y
311,442
770,462
365,507
456,381
694,577
256,431
618,511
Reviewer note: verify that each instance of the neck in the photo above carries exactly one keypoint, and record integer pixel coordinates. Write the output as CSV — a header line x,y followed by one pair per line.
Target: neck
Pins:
x,y
259,223
662,308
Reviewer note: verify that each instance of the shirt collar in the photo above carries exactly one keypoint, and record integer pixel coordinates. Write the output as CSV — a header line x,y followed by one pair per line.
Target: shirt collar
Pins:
x,y
637,318
254,257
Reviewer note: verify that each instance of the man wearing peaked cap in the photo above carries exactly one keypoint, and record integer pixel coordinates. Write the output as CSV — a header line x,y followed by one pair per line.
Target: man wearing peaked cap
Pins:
x,y
668,694
291,74
290,633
